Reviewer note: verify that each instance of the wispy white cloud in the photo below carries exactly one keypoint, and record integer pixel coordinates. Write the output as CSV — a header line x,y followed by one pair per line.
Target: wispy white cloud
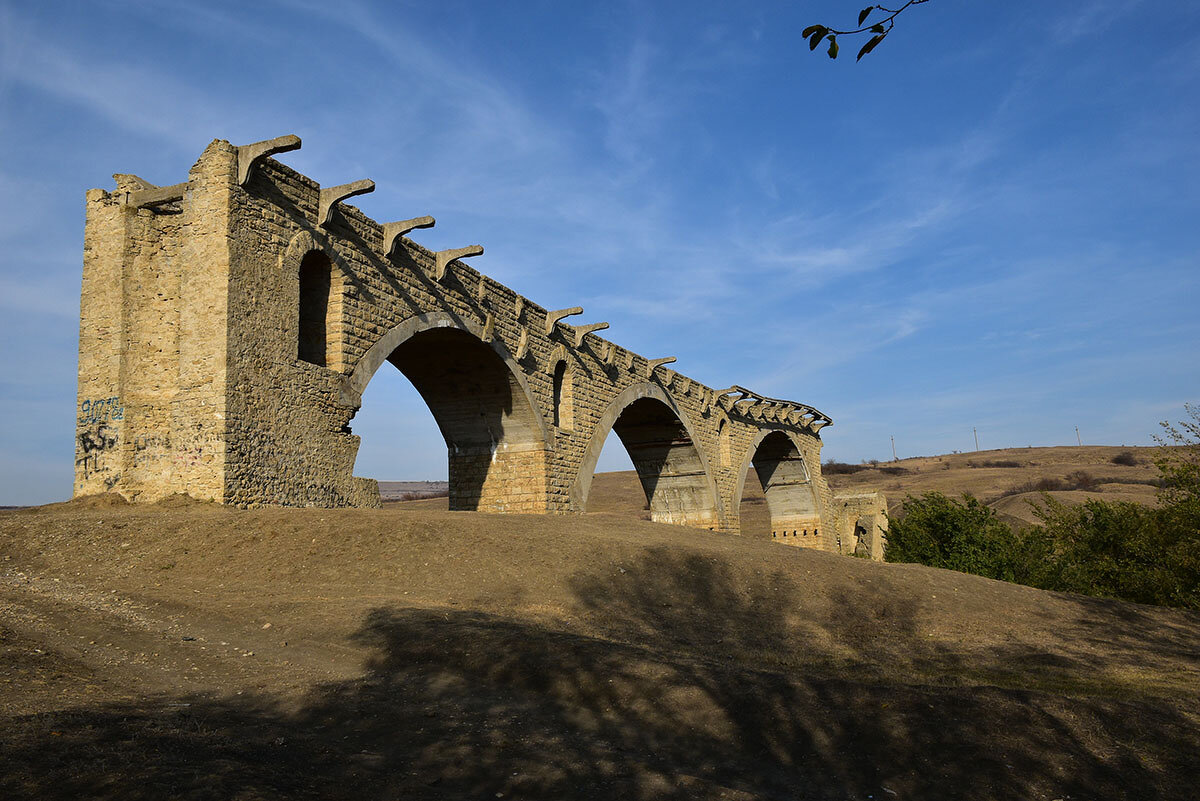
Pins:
x,y
1089,19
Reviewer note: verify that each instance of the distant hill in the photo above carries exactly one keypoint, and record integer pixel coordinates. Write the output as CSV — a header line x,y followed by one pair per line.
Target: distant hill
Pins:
x,y
1007,480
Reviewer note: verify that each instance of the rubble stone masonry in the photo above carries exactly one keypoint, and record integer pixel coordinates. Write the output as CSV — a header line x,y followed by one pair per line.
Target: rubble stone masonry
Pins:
x,y
229,325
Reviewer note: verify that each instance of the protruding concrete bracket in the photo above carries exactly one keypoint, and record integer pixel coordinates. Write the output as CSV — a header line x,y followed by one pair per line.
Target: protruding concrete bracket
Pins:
x,y
523,344
336,194
249,155
394,230
654,364
553,317
155,196
628,360
582,331
518,306
719,397
489,328
129,179
817,425
443,258
609,353
751,401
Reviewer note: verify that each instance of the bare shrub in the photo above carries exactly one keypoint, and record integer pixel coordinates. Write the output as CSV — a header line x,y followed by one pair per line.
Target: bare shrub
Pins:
x,y
420,496
841,468
1125,458
1077,480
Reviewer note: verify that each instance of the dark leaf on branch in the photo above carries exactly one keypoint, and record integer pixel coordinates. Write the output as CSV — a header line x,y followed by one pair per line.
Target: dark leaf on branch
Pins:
x,y
811,29
870,45
816,38
878,28
833,46
866,12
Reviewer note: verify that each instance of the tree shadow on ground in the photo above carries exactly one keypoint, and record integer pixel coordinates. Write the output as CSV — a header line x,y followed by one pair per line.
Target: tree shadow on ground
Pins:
x,y
700,687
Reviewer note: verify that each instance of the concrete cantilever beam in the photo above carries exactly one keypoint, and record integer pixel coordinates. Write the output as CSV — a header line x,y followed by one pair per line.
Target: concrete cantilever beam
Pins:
x,y
336,194
136,181
554,316
752,401
610,354
249,155
582,331
394,230
721,395
443,258
801,418
654,364
154,195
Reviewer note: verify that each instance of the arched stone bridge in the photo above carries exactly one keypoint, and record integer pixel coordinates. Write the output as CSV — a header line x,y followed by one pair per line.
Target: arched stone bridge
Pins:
x,y
230,324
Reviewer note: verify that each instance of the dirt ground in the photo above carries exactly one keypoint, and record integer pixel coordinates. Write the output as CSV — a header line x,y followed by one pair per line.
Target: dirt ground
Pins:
x,y
187,650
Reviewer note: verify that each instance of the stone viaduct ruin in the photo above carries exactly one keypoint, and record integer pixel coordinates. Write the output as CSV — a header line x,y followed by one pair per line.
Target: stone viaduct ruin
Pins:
x,y
230,324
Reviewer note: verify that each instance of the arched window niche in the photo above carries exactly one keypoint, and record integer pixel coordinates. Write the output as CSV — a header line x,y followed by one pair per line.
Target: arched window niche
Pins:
x,y
563,396
320,311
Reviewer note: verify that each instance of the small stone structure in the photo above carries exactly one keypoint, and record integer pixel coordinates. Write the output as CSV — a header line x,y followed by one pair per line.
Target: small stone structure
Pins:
x,y
230,324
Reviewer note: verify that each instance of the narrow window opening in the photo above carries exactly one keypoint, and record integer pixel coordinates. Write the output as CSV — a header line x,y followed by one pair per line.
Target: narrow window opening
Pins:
x,y
562,395
316,281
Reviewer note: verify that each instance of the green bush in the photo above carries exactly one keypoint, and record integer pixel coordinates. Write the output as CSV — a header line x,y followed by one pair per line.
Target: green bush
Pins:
x,y
1120,550
942,532
1103,548
1106,549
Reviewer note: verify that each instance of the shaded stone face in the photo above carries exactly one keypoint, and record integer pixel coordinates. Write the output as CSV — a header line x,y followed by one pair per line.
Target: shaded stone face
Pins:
x,y
230,325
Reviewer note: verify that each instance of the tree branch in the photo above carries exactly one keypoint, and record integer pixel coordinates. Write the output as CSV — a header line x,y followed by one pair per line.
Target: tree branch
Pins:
x,y
815,34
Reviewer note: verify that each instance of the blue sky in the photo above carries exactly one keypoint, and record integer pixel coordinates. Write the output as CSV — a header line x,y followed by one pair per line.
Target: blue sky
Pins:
x,y
991,221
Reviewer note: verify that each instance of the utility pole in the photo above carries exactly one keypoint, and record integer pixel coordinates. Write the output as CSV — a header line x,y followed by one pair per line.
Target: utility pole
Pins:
x,y
1077,439
976,433
895,458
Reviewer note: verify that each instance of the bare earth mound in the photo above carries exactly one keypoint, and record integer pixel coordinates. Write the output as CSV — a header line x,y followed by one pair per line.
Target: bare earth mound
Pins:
x,y
189,650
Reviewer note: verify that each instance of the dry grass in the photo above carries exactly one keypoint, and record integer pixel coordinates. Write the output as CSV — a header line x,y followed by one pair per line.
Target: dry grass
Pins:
x,y
417,653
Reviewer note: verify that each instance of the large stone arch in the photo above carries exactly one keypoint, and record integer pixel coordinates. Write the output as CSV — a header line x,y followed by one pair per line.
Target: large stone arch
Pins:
x,y
792,499
494,430
663,447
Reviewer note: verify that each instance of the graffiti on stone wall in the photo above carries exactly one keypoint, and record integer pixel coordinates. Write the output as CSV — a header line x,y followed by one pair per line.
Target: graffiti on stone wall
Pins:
x,y
149,447
92,444
96,435
100,410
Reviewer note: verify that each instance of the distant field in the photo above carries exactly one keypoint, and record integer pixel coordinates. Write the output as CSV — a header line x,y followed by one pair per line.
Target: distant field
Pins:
x,y
1007,480
390,491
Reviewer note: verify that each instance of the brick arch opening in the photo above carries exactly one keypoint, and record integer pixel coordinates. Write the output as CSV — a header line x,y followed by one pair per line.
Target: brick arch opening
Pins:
x,y
671,468
790,498
494,433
